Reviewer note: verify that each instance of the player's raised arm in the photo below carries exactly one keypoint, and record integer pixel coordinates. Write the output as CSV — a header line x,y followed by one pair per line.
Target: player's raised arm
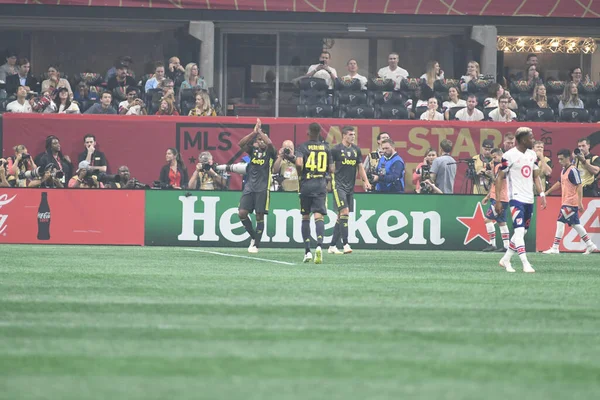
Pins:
x,y
245,141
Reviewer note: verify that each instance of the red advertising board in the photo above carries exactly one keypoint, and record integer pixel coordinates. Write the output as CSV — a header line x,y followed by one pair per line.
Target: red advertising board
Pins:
x,y
141,142
506,8
71,216
546,225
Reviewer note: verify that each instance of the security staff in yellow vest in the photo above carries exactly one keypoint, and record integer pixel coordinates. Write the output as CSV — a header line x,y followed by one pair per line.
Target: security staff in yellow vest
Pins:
x,y
483,168
589,168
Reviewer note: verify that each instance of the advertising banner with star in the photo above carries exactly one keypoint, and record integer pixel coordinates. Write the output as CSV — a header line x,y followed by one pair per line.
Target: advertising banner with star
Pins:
x,y
507,8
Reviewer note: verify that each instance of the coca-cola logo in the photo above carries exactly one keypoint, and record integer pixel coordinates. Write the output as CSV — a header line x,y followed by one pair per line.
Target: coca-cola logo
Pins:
x,y
43,217
4,200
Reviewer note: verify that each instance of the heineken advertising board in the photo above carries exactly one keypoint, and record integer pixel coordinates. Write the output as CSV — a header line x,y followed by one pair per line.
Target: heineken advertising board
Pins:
x,y
380,221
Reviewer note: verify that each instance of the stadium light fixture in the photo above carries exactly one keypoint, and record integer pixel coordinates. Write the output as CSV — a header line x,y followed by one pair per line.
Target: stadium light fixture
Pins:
x,y
509,44
352,28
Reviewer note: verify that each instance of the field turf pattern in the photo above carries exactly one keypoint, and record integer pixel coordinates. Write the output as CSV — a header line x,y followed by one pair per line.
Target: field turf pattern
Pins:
x,y
167,323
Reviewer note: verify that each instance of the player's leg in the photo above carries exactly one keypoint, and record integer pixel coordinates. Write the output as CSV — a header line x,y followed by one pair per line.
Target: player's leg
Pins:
x,y
339,205
319,209
245,208
261,208
560,231
519,239
305,205
516,211
344,218
590,247
490,227
501,220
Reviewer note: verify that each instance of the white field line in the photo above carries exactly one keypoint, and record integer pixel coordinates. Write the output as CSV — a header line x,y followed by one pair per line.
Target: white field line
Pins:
x,y
236,256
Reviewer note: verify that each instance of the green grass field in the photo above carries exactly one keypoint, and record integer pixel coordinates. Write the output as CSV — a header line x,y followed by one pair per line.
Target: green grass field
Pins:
x,y
169,323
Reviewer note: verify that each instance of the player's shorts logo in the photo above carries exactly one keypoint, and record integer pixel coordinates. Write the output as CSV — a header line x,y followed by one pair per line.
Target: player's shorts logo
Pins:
x,y
526,171
519,221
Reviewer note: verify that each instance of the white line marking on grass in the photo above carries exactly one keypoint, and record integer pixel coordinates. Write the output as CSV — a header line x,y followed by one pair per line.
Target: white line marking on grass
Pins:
x,y
236,256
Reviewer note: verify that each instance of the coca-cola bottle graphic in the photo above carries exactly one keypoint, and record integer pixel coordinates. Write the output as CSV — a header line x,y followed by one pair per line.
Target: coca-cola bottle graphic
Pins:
x,y
44,218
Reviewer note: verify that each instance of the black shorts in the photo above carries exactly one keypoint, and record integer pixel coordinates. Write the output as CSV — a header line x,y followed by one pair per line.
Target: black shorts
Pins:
x,y
343,199
310,205
257,202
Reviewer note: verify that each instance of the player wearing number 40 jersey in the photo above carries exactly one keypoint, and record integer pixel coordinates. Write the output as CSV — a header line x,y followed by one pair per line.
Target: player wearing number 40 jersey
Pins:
x,y
347,159
519,166
313,161
572,203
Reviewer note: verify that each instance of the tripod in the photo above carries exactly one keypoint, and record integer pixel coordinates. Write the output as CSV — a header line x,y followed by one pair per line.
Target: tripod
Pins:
x,y
469,177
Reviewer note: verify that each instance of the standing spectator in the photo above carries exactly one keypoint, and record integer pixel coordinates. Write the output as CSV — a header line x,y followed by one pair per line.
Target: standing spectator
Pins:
x,y
570,98
286,169
62,103
121,60
174,174
203,107
432,114
393,71
495,92
472,74
54,76
322,70
544,163
532,59
390,170
192,79
104,107
175,72
10,67
20,105
453,101
95,158
54,156
21,78
470,113
159,75
432,73
121,79
533,76
419,171
502,113
509,142
588,166
353,74
443,169
167,106
133,105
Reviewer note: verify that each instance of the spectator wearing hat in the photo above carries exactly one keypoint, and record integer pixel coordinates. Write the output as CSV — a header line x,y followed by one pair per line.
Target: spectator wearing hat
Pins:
x,y
104,107
21,78
62,103
121,79
81,180
133,105
483,168
10,67
122,60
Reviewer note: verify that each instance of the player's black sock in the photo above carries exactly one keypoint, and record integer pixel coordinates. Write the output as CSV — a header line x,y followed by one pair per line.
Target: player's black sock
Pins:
x,y
306,234
336,234
320,227
248,225
344,229
260,227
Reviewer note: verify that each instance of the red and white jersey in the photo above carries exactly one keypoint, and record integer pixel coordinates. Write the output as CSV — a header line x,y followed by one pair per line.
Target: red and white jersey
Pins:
x,y
519,169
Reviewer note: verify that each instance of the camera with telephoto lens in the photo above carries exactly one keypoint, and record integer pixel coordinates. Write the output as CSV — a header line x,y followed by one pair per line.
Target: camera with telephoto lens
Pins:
x,y
577,151
425,174
207,167
287,152
239,168
34,174
25,156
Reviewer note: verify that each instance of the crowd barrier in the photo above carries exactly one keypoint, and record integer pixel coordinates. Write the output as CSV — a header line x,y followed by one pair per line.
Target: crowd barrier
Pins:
x,y
141,142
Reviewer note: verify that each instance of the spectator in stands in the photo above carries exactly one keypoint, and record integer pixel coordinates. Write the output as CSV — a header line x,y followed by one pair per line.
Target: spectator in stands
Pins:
x,y
570,98
502,113
471,113
168,87
62,103
443,169
167,106
176,72
353,74
54,156
544,163
389,176
532,59
40,103
509,142
453,101
122,60
432,113
54,76
432,73
495,92
22,78
203,107
393,71
82,93
121,79
540,99
418,174
576,75
285,169
3,173
84,181
205,177
372,159
20,105
49,180
192,79
19,163
322,70
133,105
10,67
104,107
533,76
472,74
159,76
174,174
95,158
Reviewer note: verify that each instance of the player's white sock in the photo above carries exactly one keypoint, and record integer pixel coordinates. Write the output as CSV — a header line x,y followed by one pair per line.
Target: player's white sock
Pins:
x,y
584,236
519,240
491,230
505,235
560,231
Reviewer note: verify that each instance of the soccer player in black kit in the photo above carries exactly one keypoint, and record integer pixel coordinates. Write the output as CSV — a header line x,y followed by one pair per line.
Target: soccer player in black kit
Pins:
x,y
255,196
347,159
313,161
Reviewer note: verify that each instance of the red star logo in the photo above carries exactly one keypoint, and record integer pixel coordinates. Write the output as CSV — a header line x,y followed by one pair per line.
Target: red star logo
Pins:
x,y
475,225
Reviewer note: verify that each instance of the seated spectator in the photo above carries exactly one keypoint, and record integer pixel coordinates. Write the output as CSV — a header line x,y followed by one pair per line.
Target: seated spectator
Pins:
x,y
10,67
453,101
174,174
62,103
167,106
533,76
322,70
54,76
104,107
83,180
22,78
20,105
570,98
133,105
576,75
353,74
175,71
472,74
159,76
168,87
203,107
432,113
19,163
432,73
532,59
82,93
121,60
95,158
502,113
418,174
192,79
540,99
470,113
53,155
50,179
393,71
121,79
495,92
205,178
3,173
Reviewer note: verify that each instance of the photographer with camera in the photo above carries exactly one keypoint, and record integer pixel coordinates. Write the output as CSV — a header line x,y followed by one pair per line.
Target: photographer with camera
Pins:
x,y
483,168
544,163
443,169
95,158
50,179
206,176
84,178
491,216
122,180
588,166
372,158
389,175
284,169
21,167
422,172
3,172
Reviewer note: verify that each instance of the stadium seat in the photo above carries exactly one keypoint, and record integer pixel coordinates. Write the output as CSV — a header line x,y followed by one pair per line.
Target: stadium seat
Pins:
x,y
382,98
187,101
380,85
391,111
539,115
362,112
419,110
313,84
351,98
476,86
487,111
315,110
89,78
452,112
596,115
350,85
574,115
